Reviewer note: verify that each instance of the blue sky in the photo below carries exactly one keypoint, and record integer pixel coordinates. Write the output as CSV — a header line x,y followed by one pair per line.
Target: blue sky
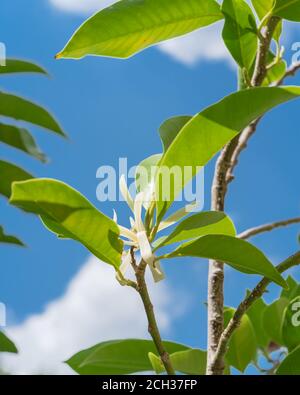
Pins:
x,y
110,109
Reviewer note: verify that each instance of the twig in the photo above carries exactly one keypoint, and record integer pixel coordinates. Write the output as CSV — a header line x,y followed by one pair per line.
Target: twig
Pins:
x,y
219,190
267,228
244,137
152,323
291,71
258,291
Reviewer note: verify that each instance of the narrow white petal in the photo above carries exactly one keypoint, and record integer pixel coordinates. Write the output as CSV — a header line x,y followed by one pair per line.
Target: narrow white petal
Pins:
x,y
125,192
132,223
157,272
115,217
126,259
148,256
138,204
127,233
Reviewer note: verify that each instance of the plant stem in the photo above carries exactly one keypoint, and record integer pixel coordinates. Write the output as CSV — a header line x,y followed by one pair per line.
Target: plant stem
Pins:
x,y
219,189
148,306
257,292
267,228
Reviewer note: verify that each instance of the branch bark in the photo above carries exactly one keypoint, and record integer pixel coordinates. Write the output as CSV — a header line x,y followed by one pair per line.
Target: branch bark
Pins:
x,y
148,306
219,189
257,292
267,228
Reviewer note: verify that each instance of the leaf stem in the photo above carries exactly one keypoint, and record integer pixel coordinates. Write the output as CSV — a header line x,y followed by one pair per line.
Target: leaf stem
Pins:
x,y
148,306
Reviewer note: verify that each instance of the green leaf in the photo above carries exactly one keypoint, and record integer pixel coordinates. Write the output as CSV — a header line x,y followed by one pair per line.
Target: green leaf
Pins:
x,y
239,33
156,363
255,314
8,174
200,224
273,319
170,128
192,362
21,109
237,253
118,357
293,291
291,324
145,173
20,66
262,7
20,139
189,361
210,130
129,26
291,364
242,345
275,73
287,9
9,239
73,215
6,345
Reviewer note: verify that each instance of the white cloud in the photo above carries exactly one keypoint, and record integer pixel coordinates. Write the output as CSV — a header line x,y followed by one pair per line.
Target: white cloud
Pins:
x,y
94,308
81,6
204,44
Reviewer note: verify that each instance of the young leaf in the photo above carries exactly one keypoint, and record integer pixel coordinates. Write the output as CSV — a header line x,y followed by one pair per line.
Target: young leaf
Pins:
x,y
262,7
6,345
8,174
287,9
21,139
73,215
293,291
210,130
291,324
291,364
21,109
275,73
118,357
189,361
242,345
237,253
129,26
20,66
273,319
171,127
200,224
255,314
156,363
9,239
239,33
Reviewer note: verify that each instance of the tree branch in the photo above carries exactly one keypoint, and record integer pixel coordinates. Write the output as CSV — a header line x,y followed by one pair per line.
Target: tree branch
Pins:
x,y
244,137
219,190
291,71
258,291
148,306
267,228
